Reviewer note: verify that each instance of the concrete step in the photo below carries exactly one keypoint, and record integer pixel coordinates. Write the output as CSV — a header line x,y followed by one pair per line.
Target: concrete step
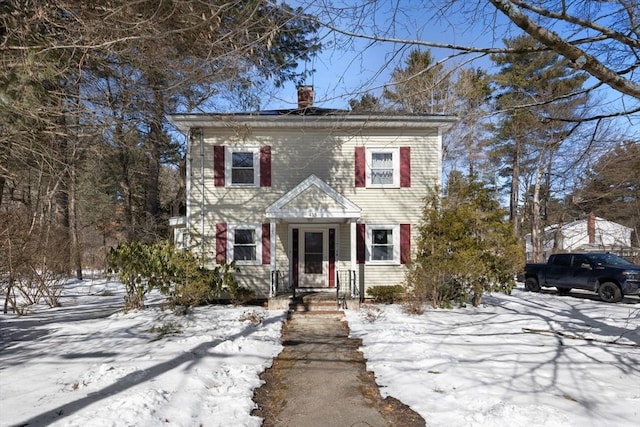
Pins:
x,y
310,302
317,314
314,306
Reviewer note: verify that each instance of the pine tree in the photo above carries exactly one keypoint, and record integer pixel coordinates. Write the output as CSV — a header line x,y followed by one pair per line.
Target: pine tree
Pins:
x,y
422,86
538,96
466,246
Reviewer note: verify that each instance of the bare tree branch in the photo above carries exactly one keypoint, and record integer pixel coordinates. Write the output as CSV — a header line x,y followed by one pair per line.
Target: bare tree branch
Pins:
x,y
580,58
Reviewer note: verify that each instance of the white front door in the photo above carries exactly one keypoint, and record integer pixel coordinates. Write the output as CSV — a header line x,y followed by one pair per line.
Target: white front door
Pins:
x,y
314,258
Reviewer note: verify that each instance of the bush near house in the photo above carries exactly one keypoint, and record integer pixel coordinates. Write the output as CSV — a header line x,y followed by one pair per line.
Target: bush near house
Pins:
x,y
466,247
177,274
386,294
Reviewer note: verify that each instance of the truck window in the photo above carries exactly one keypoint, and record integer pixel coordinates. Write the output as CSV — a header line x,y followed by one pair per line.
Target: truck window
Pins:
x,y
578,260
562,259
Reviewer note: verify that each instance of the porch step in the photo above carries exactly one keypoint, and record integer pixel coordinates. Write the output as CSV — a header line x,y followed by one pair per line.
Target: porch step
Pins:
x,y
313,306
312,302
316,314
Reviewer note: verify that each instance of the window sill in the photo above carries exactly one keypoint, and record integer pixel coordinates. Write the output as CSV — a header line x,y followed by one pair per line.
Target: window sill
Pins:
x,y
391,262
244,262
382,186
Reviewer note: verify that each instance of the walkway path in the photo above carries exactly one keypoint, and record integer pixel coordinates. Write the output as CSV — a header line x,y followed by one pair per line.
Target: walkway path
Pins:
x,y
320,379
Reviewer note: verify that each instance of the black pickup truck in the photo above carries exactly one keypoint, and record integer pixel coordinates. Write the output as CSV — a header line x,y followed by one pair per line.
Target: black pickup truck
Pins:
x,y
610,276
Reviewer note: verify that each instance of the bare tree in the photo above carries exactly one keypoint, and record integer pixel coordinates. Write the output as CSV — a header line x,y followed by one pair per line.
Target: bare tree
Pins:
x,y
84,90
603,37
600,38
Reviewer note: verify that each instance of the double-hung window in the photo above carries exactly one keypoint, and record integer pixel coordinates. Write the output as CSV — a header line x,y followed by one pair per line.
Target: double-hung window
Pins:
x,y
383,243
242,166
245,243
383,167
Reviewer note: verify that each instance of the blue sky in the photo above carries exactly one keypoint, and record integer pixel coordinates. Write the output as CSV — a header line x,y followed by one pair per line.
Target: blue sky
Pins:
x,y
346,69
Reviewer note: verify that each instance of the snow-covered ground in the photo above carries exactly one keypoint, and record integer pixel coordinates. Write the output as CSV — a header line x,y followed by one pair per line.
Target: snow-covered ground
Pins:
x,y
520,360
88,364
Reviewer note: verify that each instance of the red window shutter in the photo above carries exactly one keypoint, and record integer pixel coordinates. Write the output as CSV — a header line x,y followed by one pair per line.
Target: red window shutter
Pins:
x,y
266,243
221,242
360,242
218,165
332,257
360,167
295,240
405,166
405,243
265,166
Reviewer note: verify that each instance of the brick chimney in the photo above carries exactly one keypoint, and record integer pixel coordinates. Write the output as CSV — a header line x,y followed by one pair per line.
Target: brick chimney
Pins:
x,y
591,227
305,96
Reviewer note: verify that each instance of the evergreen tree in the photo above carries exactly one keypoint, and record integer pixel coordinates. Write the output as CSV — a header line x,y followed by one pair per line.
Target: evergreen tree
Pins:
x,y
538,97
85,88
466,247
366,103
422,86
465,143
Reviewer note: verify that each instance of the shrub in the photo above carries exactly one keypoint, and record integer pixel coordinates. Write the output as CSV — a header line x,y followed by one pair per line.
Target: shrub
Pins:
x,y
177,274
33,262
139,268
466,247
386,294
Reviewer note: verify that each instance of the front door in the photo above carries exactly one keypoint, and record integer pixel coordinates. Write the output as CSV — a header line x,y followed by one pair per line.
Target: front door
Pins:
x,y
314,258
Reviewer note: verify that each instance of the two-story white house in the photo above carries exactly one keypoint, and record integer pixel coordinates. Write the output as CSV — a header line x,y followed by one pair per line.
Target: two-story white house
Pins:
x,y
309,198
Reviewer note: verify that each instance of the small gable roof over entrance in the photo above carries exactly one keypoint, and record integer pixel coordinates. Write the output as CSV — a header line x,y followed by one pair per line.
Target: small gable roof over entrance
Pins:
x,y
313,199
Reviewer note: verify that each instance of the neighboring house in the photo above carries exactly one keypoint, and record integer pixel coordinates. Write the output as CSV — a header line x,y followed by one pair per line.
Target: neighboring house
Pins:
x,y
309,198
590,234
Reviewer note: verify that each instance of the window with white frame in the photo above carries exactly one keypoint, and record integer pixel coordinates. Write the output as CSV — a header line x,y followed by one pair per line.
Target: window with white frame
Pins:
x,y
383,167
383,243
242,166
245,243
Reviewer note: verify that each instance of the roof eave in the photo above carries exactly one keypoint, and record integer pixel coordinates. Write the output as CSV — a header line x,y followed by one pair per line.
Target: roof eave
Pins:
x,y
184,122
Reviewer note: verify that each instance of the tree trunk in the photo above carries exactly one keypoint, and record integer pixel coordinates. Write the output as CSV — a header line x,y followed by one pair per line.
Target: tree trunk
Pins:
x,y
537,232
515,187
76,256
2,181
155,142
557,235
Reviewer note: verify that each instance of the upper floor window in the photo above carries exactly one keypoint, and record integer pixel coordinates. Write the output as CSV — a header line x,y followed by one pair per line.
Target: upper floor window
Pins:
x,y
383,167
242,166
388,167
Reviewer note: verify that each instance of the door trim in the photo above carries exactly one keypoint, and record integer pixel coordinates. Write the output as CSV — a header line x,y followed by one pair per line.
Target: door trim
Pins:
x,y
332,241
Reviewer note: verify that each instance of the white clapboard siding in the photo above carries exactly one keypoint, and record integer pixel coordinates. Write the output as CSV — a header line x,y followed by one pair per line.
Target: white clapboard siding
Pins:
x,y
296,153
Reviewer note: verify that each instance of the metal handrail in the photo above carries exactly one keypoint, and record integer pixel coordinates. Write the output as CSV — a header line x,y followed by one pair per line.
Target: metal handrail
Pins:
x,y
277,283
346,286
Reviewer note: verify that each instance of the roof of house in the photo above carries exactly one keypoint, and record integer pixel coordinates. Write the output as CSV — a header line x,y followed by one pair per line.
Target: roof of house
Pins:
x,y
311,117
581,222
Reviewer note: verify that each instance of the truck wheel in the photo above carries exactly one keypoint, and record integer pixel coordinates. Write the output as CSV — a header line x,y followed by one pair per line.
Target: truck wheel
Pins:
x,y
563,291
609,292
531,284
